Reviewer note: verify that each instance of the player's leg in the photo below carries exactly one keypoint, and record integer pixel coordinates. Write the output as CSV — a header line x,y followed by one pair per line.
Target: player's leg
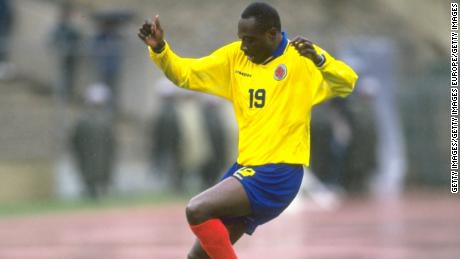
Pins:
x,y
236,231
226,199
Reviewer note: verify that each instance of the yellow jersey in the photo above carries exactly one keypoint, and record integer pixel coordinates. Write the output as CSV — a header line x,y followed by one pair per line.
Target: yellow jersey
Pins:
x,y
272,101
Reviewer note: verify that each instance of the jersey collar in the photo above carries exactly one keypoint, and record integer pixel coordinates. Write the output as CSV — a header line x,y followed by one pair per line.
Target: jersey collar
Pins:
x,y
279,50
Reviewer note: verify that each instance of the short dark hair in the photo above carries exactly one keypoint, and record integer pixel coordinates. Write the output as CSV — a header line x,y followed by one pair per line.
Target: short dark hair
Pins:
x,y
266,16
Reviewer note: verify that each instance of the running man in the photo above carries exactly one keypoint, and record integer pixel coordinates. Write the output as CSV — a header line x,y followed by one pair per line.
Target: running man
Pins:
x,y
273,83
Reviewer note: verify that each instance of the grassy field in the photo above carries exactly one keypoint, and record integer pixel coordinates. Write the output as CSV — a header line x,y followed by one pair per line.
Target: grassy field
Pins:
x,y
27,209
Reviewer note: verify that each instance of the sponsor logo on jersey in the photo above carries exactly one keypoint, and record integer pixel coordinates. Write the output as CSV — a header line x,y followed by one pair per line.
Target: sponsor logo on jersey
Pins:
x,y
280,72
241,73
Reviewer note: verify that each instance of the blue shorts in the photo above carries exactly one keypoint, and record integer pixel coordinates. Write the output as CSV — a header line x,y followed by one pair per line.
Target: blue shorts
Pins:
x,y
270,189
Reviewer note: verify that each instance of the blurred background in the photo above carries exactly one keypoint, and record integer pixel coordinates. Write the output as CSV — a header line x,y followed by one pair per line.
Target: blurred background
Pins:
x,y
86,116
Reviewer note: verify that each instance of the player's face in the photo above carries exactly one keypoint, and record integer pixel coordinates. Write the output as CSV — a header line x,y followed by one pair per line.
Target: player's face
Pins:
x,y
256,44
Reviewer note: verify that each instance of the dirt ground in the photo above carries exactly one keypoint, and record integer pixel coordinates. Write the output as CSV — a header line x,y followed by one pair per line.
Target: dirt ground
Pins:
x,y
419,226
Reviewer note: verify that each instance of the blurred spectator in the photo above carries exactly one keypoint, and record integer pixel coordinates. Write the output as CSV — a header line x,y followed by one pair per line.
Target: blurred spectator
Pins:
x,y
182,124
332,135
214,128
107,51
341,128
94,142
343,147
7,17
361,160
342,135
379,84
65,40
167,136
194,134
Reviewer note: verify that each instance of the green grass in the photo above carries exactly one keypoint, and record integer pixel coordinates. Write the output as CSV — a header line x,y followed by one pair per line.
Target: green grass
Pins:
x,y
26,209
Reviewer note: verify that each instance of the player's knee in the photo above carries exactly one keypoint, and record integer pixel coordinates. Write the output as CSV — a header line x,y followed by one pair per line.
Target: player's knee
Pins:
x,y
196,211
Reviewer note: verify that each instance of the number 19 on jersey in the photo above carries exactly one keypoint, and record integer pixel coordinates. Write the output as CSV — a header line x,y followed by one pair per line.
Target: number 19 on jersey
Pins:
x,y
256,98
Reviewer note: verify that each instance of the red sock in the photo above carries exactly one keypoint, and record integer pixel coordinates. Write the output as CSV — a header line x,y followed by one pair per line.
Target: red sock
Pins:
x,y
214,239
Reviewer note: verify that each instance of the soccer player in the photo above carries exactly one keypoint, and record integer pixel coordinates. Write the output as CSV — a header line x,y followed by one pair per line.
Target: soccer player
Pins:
x,y
273,84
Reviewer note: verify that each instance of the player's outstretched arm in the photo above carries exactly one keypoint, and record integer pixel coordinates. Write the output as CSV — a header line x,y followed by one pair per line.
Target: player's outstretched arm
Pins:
x,y
207,74
152,34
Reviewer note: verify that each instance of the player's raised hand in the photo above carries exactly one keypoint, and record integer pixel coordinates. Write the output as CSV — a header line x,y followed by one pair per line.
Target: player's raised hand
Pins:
x,y
152,34
306,49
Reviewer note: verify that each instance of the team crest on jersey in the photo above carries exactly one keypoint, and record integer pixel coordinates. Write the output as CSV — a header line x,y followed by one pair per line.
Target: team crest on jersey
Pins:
x,y
244,172
280,72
